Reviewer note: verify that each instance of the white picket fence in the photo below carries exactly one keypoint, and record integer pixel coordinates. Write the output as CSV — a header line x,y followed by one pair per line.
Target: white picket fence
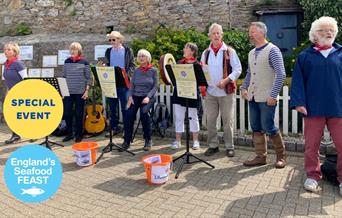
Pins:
x,y
287,120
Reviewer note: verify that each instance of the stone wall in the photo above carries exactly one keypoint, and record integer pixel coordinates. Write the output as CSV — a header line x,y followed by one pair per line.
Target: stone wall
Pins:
x,y
93,16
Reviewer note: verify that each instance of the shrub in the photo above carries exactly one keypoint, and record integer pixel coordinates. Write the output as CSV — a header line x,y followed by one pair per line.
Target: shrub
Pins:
x,y
170,40
22,29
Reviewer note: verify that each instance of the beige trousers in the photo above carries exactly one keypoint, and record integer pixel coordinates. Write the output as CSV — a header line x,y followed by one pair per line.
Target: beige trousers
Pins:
x,y
225,105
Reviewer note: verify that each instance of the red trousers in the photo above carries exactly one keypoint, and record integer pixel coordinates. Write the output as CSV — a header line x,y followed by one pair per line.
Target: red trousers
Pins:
x,y
313,132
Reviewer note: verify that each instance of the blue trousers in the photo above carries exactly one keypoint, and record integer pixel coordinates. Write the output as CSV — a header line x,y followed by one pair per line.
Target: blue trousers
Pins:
x,y
145,118
122,94
262,117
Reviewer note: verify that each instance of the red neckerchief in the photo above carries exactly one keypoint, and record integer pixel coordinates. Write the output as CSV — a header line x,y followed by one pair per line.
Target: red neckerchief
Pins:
x,y
10,61
77,58
146,68
187,60
216,49
322,47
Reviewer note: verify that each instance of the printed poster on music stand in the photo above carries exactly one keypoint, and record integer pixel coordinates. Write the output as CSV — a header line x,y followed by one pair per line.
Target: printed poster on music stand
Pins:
x,y
185,80
106,77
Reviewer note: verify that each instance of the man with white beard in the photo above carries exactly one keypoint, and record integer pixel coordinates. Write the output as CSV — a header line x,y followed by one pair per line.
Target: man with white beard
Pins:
x,y
316,92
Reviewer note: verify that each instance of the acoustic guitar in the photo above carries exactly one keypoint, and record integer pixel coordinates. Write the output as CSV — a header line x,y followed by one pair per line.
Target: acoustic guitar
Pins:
x,y
95,121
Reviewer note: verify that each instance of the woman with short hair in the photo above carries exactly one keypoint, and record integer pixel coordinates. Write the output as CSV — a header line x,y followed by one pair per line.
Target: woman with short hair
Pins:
x,y
14,72
77,73
141,95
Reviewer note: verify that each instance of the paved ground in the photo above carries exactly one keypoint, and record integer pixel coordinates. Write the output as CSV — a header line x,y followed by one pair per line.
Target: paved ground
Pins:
x,y
116,187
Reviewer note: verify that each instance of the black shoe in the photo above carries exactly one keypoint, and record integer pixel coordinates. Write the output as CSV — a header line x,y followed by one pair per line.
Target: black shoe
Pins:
x,y
13,139
115,131
211,151
78,138
124,146
148,145
68,138
230,152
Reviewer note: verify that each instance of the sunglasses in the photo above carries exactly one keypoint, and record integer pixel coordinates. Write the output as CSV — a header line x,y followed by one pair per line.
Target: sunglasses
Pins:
x,y
111,40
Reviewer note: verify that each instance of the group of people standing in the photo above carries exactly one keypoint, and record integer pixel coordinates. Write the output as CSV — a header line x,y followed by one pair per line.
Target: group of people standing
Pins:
x,y
315,92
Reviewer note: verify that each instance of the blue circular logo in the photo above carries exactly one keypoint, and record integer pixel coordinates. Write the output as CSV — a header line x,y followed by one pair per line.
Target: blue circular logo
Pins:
x,y
33,173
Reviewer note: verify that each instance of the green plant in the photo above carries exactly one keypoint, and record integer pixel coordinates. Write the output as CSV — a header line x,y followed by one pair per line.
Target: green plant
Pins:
x,y
68,2
73,12
312,11
171,40
22,29
316,9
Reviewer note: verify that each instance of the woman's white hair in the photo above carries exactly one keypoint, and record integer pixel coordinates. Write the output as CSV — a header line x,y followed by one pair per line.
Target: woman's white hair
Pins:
x,y
145,53
215,25
316,25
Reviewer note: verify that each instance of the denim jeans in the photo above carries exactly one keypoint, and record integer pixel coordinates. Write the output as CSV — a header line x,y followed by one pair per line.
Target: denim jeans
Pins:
x,y
122,94
262,117
145,118
69,102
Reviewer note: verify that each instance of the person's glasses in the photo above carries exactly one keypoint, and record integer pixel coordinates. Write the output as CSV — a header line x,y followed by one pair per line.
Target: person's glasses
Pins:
x,y
326,30
111,40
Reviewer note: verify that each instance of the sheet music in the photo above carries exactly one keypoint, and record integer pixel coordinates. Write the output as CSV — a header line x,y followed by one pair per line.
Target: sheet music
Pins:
x,y
50,61
48,72
34,72
63,86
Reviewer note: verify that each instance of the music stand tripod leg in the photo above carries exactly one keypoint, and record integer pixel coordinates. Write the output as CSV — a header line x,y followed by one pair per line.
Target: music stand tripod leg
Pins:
x,y
47,143
200,160
111,144
186,156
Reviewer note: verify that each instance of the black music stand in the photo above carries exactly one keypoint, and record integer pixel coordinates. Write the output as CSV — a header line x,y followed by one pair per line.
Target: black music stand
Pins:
x,y
55,83
120,82
201,81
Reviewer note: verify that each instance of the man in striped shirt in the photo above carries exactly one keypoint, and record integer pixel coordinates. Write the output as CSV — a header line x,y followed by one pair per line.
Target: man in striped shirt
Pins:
x,y
263,82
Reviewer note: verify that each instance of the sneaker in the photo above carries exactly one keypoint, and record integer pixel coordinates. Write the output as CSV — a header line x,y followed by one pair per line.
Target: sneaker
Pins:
x,y
148,144
230,152
196,145
176,144
124,146
341,189
211,151
13,139
311,185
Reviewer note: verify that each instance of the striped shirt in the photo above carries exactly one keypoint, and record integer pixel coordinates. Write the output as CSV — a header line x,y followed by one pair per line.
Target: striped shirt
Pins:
x,y
77,75
144,84
275,60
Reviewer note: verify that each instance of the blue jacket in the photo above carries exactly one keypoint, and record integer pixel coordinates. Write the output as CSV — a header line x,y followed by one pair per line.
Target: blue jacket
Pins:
x,y
317,82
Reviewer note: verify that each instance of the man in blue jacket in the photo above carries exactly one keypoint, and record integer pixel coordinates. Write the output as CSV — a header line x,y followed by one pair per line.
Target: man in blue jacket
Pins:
x,y
316,92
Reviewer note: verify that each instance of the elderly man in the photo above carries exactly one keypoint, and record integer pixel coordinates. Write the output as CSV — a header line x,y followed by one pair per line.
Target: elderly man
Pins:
x,y
263,82
316,92
121,56
224,68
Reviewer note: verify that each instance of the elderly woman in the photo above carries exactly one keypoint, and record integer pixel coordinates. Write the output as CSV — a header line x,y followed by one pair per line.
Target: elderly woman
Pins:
x,y
316,93
190,52
77,73
121,56
14,72
141,95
